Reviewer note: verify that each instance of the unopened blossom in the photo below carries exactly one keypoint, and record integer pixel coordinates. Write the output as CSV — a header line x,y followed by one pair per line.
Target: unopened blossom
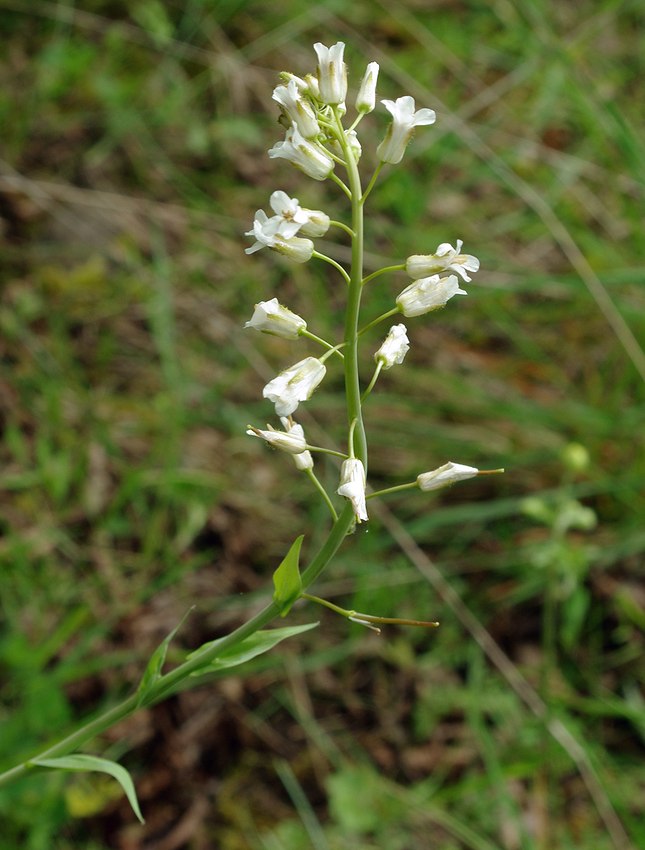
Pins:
x,y
352,142
445,259
298,110
308,156
270,317
303,460
366,98
316,224
429,293
445,475
286,441
331,72
267,234
352,486
294,385
395,346
400,131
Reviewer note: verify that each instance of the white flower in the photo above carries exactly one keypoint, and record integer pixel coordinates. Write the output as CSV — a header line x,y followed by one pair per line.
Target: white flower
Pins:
x,y
270,317
352,486
297,219
309,157
265,230
303,460
394,348
290,211
429,293
331,72
366,98
267,234
445,259
294,385
447,474
297,109
286,441
399,133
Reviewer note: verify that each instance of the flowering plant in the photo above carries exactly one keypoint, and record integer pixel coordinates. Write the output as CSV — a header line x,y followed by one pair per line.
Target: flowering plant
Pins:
x,y
319,143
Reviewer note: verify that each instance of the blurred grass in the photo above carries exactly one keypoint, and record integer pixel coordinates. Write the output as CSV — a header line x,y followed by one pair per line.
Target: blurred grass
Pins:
x,y
133,155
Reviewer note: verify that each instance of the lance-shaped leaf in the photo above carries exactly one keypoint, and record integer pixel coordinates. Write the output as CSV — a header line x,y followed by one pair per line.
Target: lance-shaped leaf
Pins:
x,y
152,673
93,763
286,579
250,647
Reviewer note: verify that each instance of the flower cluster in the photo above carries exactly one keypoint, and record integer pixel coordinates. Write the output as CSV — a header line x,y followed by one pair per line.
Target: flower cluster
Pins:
x,y
316,141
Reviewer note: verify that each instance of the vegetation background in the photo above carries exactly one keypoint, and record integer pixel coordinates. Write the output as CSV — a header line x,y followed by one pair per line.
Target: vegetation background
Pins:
x,y
133,156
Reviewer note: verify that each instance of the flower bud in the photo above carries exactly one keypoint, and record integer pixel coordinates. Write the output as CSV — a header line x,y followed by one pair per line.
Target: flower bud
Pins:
x,y
352,141
297,109
309,157
446,258
294,385
331,72
316,223
270,317
366,98
290,442
427,294
445,475
303,460
395,346
352,486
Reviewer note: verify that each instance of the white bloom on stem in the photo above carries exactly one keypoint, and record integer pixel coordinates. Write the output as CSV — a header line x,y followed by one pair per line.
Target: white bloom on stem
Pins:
x,y
445,475
445,259
352,486
297,219
270,317
331,72
429,293
267,233
366,98
303,460
286,441
264,229
395,346
297,109
400,131
294,385
308,156
290,211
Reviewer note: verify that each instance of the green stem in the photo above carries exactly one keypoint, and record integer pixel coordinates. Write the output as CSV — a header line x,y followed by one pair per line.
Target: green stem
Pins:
x,y
371,384
393,312
342,226
171,682
398,268
321,341
372,182
333,263
314,480
398,488
352,380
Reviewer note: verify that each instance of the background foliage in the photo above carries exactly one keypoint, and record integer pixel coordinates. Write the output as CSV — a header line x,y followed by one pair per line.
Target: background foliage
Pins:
x,y
133,155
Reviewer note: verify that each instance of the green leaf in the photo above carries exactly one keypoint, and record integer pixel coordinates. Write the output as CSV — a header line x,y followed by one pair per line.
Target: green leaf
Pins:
x,y
286,579
250,647
93,763
152,673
